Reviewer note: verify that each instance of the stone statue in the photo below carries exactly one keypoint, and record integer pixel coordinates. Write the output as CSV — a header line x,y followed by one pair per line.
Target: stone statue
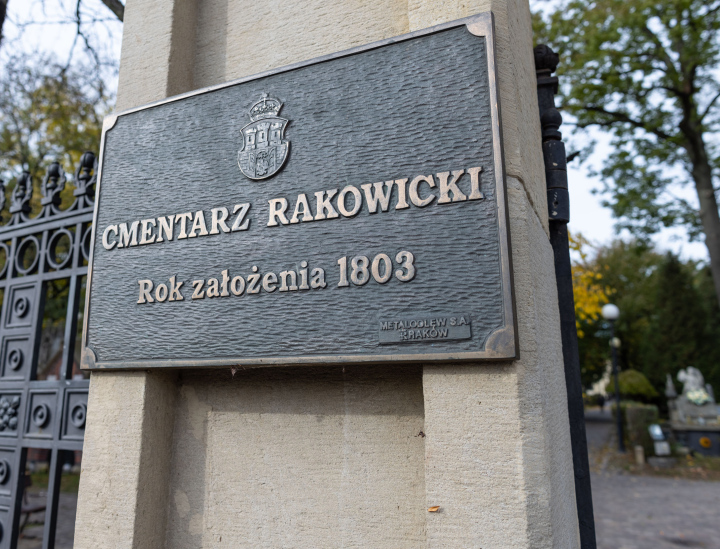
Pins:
x,y
696,404
670,391
692,379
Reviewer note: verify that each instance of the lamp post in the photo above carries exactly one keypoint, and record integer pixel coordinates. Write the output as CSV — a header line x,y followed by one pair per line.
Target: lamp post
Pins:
x,y
611,313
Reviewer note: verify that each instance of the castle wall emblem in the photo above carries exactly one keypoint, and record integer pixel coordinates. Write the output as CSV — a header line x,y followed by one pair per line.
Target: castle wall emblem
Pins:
x,y
264,150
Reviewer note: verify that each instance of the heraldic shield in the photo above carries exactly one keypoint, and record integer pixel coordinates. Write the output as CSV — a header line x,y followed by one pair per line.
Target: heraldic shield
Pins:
x,y
264,151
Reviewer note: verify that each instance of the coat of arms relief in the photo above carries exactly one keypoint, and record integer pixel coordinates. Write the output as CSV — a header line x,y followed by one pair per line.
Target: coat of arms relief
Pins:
x,y
264,149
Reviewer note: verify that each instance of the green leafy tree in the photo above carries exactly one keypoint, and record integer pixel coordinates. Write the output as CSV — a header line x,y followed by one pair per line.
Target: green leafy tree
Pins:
x,y
47,112
626,270
669,318
676,334
704,285
647,71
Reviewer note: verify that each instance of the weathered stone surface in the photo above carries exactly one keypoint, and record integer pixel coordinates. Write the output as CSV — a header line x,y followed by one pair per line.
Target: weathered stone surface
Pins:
x,y
310,457
124,477
505,455
516,78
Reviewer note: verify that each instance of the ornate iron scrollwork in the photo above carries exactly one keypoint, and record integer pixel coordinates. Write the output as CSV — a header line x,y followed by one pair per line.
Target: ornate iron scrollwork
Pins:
x,y
4,471
41,415
78,415
56,259
85,179
21,306
51,188
8,413
2,197
20,199
52,185
15,359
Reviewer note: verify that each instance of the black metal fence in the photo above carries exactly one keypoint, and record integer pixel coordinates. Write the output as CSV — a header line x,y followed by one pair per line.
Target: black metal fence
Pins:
x,y
43,393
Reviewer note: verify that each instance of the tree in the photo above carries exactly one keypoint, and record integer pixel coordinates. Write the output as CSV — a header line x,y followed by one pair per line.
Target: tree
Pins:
x,y
681,331
647,72
634,386
47,113
625,272
588,289
589,292
704,285
3,12
667,320
115,6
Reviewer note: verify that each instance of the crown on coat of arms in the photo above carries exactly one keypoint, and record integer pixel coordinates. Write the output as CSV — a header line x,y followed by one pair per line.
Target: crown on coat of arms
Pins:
x,y
265,108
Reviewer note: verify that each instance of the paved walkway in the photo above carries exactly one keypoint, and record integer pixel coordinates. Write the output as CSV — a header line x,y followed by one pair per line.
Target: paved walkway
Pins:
x,y
599,429
634,512
33,533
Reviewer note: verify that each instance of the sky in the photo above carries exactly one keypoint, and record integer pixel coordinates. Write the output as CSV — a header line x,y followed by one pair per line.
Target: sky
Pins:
x,y
595,222
587,214
56,34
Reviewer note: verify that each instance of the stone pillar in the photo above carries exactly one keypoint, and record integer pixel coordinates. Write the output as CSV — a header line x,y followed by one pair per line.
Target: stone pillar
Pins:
x,y
124,478
124,487
158,53
338,456
498,440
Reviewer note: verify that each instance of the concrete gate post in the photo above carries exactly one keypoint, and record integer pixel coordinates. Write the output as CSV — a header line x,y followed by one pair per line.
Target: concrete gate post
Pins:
x,y
338,457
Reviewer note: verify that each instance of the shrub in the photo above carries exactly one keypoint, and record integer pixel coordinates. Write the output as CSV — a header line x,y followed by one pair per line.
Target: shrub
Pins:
x,y
637,417
633,385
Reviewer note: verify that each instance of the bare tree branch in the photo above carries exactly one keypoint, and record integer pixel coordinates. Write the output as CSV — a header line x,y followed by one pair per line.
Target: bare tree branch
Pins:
x,y
710,106
81,34
116,7
623,117
3,11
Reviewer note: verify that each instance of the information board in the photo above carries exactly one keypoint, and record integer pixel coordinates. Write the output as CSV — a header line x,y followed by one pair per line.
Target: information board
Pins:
x,y
346,209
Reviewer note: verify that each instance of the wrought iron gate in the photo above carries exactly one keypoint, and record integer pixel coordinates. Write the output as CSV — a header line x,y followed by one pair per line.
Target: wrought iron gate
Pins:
x,y
43,394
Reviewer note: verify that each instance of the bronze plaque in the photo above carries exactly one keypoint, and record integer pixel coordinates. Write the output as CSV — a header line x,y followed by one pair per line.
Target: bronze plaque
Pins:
x,y
346,209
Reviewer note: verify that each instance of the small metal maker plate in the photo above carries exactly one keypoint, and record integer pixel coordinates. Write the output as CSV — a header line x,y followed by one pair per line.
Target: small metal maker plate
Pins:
x,y
346,209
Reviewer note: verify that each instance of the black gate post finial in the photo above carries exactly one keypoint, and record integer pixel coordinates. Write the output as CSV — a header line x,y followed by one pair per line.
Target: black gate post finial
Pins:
x,y
85,179
52,185
20,199
546,61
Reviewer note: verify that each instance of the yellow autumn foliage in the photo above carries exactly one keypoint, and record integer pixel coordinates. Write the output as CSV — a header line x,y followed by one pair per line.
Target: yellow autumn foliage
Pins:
x,y
588,289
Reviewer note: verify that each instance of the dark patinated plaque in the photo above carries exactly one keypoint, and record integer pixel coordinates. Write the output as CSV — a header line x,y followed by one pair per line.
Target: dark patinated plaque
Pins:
x,y
346,209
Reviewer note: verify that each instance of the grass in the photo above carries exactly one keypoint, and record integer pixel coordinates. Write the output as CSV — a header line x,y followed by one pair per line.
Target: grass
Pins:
x,y
689,467
68,482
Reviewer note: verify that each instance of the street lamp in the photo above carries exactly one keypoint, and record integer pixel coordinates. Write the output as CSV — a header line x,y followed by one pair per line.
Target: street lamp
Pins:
x,y
611,313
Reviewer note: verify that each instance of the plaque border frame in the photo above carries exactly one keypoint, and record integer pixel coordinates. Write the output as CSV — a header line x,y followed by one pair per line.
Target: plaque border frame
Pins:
x,y
501,344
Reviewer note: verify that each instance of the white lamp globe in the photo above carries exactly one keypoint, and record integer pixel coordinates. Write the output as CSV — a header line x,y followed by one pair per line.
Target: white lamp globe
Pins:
x,y
610,312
